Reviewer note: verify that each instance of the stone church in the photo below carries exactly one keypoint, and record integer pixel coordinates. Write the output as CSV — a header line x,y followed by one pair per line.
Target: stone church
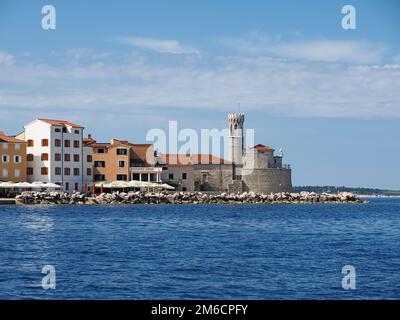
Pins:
x,y
255,169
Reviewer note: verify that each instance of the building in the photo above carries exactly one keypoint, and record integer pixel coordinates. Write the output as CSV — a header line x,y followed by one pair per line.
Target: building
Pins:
x,y
255,169
55,153
13,159
121,160
189,172
88,162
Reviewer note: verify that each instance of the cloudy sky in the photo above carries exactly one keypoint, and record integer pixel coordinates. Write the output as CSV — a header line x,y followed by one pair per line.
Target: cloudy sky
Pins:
x,y
330,97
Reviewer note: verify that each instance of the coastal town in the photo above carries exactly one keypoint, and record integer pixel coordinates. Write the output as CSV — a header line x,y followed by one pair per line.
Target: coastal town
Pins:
x,y
53,162
56,155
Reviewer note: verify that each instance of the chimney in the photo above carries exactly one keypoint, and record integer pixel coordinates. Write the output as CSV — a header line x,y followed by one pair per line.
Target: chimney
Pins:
x,y
89,136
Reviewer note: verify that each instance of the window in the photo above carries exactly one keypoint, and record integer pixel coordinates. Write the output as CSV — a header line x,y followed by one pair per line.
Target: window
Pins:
x,y
17,173
29,157
64,129
57,171
57,130
122,177
76,172
30,143
5,158
17,146
29,171
67,171
136,176
136,163
57,143
5,146
4,172
76,143
122,152
99,177
121,164
76,131
76,186
76,157
44,171
100,150
44,157
67,157
100,164
67,186
89,171
171,176
67,143
17,159
184,175
45,142
89,158
184,189
57,157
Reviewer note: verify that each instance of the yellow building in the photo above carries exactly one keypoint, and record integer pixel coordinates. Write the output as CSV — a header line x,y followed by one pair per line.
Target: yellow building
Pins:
x,y
12,159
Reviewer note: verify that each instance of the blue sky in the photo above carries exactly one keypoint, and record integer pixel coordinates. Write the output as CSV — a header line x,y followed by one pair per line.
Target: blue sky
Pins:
x,y
330,97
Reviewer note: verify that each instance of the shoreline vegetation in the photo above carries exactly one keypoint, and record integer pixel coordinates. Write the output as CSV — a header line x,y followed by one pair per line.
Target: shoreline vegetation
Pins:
x,y
164,197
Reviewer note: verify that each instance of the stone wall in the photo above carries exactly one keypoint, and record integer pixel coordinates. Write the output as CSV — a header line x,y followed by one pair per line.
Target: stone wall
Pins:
x,y
270,180
212,177
177,172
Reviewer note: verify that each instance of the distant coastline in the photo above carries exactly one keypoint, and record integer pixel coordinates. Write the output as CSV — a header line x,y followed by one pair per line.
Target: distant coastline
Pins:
x,y
370,192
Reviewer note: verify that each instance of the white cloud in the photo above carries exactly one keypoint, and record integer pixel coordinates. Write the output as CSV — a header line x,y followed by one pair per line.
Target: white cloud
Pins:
x,y
319,50
333,51
6,59
158,45
292,88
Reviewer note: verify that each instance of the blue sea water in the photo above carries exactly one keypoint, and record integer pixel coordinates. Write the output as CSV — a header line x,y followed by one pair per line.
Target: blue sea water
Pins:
x,y
201,251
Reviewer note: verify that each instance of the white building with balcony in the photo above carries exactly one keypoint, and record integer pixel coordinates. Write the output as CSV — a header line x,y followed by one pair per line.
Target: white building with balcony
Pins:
x,y
55,153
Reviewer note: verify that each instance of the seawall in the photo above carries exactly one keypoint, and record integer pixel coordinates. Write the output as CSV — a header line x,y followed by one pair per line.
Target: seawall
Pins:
x,y
139,197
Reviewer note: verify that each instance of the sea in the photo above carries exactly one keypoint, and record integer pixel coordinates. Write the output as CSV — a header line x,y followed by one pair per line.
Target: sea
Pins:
x,y
263,251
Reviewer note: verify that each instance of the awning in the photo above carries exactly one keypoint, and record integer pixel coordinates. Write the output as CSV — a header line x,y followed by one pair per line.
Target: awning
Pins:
x,y
133,184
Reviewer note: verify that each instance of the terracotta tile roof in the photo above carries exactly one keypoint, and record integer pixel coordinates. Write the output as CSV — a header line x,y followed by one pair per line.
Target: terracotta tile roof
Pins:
x,y
187,160
8,139
139,152
261,147
60,123
88,141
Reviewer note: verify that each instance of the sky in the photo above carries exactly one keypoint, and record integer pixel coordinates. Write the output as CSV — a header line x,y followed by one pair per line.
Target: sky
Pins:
x,y
329,97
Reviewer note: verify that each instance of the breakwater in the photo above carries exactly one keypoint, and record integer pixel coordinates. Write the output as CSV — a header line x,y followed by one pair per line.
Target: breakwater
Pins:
x,y
140,197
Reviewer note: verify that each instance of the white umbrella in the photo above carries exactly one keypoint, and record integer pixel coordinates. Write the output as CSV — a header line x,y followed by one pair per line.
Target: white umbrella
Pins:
x,y
52,185
23,185
46,185
7,185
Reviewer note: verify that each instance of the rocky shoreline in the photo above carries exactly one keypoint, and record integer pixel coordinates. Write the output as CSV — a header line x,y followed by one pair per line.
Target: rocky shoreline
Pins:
x,y
139,197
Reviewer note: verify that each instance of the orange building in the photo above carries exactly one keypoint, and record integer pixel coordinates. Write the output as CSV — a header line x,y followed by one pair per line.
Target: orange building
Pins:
x,y
13,159
123,161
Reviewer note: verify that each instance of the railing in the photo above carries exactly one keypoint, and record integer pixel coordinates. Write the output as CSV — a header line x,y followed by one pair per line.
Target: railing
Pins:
x,y
286,166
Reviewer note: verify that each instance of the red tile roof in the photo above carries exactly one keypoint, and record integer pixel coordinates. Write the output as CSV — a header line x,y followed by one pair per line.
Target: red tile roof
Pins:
x,y
88,141
261,147
61,123
187,160
8,139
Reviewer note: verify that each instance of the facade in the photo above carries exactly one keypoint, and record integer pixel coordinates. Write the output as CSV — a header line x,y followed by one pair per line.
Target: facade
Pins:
x,y
55,153
13,159
120,160
255,169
